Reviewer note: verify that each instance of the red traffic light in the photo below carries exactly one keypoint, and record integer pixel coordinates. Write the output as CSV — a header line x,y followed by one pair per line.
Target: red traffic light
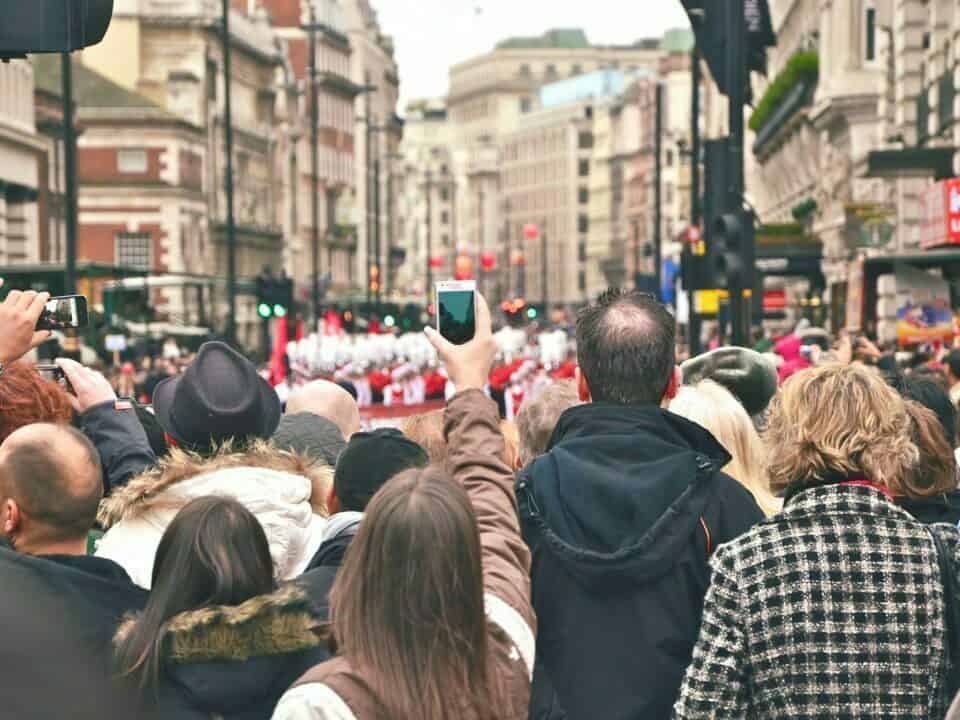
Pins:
x,y
531,231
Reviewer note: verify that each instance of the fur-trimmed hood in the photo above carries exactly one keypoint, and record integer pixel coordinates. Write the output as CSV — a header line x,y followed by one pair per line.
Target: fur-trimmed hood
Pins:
x,y
146,490
225,660
275,485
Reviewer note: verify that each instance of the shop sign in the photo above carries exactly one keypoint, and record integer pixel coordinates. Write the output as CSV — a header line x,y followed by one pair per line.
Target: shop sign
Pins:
x,y
941,214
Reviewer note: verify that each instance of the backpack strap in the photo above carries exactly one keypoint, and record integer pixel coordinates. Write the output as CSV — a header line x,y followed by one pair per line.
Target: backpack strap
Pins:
x,y
950,608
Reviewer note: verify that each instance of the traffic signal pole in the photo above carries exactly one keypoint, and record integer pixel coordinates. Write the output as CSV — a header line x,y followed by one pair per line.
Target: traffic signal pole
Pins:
x,y
742,288
228,183
658,194
693,322
314,169
70,175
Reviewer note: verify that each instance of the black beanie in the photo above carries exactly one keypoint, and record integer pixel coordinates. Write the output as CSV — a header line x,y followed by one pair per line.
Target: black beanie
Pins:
x,y
369,461
749,376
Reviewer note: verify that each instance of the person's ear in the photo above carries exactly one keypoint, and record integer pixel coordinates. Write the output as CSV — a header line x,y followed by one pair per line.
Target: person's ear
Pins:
x,y
333,504
583,390
11,518
673,387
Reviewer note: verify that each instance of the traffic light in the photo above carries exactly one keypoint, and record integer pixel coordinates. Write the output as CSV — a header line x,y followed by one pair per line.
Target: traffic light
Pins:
x,y
734,238
274,296
52,26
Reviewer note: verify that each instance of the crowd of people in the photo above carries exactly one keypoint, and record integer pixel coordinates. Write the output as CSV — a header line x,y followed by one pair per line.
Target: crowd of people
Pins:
x,y
749,533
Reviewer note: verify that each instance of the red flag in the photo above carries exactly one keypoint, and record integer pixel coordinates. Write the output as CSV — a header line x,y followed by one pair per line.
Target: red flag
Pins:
x,y
278,370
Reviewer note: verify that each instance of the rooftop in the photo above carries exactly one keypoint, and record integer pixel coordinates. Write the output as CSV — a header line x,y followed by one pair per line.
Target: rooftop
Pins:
x,y
566,39
90,89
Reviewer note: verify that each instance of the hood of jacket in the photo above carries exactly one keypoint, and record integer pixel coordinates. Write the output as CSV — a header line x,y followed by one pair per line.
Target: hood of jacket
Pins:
x,y
227,659
274,485
620,490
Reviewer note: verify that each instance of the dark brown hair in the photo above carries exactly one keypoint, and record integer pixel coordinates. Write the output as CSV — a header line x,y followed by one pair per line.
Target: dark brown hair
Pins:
x,y
936,471
214,552
407,607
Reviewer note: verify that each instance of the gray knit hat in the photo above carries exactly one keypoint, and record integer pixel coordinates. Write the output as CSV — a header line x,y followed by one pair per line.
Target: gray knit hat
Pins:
x,y
311,435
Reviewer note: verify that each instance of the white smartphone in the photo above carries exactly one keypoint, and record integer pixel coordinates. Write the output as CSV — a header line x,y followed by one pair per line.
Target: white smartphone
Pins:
x,y
457,310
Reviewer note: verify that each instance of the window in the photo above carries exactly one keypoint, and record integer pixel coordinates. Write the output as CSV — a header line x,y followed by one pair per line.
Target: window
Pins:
x,y
445,217
585,140
871,34
445,240
583,223
211,80
551,71
445,194
582,251
576,70
525,70
584,168
132,162
669,158
584,195
582,280
525,105
133,250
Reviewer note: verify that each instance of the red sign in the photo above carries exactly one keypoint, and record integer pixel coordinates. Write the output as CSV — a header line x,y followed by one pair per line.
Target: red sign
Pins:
x,y
437,261
488,261
774,300
531,231
941,204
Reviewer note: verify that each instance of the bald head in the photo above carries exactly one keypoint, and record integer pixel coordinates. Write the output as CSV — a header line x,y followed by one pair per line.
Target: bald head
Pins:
x,y
328,400
50,485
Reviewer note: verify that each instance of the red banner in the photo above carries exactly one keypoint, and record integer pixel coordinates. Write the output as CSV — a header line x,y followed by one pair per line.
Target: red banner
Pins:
x,y
941,204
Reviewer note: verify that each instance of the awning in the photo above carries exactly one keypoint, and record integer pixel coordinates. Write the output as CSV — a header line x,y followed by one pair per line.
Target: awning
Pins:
x,y
911,162
930,259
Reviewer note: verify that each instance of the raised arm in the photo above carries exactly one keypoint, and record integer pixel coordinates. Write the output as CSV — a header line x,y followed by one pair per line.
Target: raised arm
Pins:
x,y
476,456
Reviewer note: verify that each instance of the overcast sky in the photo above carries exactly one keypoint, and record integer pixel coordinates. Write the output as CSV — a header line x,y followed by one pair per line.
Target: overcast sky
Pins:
x,y
432,35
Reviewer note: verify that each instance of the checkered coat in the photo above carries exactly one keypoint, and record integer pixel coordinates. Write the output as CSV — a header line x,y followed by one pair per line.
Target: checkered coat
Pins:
x,y
832,609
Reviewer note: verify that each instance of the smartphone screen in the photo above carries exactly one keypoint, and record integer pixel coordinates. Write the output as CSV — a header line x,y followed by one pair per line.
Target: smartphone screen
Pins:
x,y
456,313
69,311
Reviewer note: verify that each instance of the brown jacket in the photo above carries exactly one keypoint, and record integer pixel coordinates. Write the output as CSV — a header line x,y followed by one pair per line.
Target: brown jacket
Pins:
x,y
334,691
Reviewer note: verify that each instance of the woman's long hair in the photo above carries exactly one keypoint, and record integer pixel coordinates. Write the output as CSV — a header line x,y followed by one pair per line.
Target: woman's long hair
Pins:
x,y
214,552
407,607
712,406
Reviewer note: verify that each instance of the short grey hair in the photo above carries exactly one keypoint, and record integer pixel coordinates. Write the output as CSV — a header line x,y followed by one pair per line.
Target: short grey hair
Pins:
x,y
538,418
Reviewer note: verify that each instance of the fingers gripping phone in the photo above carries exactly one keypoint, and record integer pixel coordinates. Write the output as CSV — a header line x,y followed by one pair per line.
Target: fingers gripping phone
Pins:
x,y
457,310
60,313
54,373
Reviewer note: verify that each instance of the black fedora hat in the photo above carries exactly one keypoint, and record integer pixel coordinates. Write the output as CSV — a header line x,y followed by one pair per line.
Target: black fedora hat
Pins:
x,y
219,396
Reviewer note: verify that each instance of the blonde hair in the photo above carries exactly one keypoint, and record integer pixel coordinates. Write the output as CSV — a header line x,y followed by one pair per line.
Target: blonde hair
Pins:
x,y
712,406
837,420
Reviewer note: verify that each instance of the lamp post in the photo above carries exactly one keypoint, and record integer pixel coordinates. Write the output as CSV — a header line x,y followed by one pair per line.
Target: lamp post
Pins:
x,y
228,182
429,287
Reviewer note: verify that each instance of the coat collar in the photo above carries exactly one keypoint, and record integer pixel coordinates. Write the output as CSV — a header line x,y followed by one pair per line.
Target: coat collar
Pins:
x,y
836,499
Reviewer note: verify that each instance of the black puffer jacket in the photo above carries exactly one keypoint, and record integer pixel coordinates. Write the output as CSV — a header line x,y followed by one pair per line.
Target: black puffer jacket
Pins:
x,y
234,663
622,514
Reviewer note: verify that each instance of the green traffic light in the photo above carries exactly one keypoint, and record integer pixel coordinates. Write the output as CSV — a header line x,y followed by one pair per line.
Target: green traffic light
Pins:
x,y
531,313
279,311
389,321
264,310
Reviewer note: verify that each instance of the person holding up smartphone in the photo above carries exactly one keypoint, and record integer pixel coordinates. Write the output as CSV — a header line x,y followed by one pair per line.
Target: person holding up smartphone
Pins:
x,y
19,313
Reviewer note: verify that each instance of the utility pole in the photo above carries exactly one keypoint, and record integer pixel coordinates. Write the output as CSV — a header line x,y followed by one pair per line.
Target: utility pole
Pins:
x,y
429,289
740,296
378,271
481,276
693,322
545,273
636,253
389,245
508,265
228,183
658,193
70,174
314,167
369,195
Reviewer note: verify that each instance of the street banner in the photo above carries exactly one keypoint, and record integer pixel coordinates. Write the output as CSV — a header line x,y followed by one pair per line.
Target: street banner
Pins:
x,y
941,214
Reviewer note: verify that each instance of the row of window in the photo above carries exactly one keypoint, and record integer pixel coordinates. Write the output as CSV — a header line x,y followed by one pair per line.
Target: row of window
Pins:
x,y
336,114
547,142
536,174
550,71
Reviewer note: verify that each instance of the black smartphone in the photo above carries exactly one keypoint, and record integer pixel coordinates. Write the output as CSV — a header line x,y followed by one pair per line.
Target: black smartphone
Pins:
x,y
66,311
457,310
54,373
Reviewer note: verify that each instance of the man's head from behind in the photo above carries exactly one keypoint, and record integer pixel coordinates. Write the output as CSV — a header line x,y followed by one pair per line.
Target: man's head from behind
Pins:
x,y
369,460
952,365
50,488
626,348
328,400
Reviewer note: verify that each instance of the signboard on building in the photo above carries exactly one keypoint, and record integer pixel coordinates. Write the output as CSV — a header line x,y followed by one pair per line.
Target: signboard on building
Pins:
x,y
926,322
941,214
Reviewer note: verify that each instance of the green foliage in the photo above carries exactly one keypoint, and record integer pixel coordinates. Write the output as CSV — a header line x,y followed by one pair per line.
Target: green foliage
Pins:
x,y
780,229
801,211
802,67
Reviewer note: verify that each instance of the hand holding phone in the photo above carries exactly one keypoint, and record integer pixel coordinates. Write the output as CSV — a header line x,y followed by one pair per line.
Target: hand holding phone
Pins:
x,y
66,311
469,364
18,318
457,310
